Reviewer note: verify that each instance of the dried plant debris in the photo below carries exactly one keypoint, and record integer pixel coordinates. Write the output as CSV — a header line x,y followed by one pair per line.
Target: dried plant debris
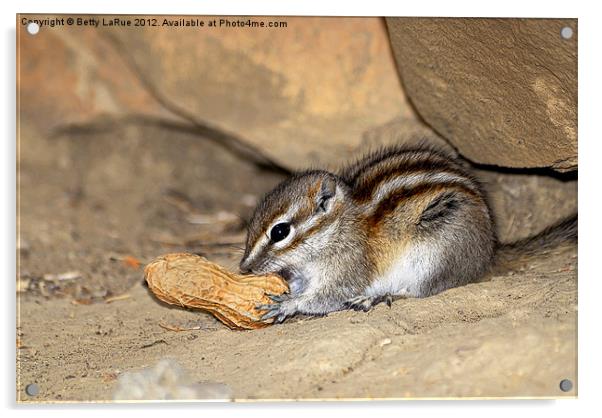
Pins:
x,y
191,281
70,284
69,275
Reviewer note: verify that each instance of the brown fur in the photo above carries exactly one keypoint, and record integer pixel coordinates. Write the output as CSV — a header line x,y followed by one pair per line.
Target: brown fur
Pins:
x,y
329,268
424,192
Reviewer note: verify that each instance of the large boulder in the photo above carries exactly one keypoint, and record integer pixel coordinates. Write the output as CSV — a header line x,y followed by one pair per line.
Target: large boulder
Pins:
x,y
503,91
303,94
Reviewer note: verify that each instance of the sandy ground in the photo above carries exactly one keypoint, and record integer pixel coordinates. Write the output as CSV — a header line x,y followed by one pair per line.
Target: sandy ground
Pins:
x,y
95,203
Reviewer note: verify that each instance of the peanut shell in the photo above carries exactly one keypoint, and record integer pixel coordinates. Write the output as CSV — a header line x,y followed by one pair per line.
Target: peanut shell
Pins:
x,y
192,281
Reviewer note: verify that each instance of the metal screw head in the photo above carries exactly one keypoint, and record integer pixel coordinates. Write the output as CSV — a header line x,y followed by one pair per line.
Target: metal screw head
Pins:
x,y
32,389
566,32
566,385
33,28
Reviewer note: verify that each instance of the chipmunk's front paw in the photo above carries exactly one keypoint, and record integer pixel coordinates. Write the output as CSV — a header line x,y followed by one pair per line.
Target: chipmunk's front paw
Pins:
x,y
365,303
283,307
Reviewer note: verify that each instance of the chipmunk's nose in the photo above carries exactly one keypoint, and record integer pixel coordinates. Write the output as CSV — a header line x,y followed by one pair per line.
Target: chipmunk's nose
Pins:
x,y
245,266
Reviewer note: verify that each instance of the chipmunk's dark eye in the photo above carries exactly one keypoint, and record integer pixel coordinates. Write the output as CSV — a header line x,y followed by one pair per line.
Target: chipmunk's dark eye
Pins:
x,y
280,231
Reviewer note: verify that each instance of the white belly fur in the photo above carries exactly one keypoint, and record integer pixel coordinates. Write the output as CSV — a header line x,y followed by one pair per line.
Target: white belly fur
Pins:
x,y
406,274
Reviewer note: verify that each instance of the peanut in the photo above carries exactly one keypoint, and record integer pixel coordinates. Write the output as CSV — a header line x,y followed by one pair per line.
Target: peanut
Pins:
x,y
192,281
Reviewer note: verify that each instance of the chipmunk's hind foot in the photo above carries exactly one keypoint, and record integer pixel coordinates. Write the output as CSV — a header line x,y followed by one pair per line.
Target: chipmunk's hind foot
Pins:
x,y
365,303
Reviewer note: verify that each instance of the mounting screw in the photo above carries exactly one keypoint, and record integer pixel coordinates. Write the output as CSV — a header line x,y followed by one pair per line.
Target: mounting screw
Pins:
x,y
566,32
32,389
33,28
566,385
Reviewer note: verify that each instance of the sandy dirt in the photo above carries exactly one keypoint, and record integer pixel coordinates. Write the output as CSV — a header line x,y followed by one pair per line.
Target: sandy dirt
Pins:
x,y
97,204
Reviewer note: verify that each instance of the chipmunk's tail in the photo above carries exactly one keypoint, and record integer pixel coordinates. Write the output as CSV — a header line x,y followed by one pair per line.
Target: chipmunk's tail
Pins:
x,y
560,234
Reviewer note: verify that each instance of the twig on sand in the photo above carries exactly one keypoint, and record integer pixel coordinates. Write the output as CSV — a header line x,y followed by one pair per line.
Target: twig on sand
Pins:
x,y
177,328
117,298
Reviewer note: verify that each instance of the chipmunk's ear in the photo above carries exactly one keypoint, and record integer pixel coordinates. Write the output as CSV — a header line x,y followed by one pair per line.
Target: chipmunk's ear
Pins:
x,y
328,190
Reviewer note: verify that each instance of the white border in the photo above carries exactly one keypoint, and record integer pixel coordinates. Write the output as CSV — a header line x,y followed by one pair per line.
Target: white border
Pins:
x,y
507,8
589,192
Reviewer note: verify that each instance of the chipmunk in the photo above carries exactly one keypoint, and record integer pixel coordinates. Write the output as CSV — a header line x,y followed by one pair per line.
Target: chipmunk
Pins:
x,y
400,222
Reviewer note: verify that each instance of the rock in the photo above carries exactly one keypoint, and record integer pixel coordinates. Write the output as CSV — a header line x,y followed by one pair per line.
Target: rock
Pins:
x,y
525,204
304,94
166,381
71,74
503,91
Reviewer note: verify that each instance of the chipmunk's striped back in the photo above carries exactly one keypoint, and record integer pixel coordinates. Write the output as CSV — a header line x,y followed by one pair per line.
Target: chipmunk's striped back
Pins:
x,y
386,173
420,204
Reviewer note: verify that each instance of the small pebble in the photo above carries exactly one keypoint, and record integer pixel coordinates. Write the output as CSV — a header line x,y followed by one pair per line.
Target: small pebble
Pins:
x,y
384,342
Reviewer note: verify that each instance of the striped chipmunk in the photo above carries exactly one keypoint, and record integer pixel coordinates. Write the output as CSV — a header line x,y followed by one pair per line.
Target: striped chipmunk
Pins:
x,y
400,222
